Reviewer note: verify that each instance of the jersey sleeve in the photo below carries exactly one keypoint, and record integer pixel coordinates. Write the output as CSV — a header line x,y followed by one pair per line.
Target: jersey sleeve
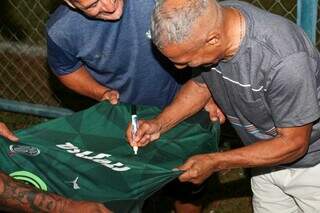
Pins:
x,y
61,61
292,92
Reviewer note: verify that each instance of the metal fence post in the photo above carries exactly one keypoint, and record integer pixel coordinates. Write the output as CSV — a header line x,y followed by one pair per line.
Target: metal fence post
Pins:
x,y
33,109
307,17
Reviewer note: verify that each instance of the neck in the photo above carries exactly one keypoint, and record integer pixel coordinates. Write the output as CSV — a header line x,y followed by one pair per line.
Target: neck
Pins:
x,y
234,31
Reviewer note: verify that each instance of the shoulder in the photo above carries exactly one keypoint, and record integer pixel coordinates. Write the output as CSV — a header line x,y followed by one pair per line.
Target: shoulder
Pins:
x,y
293,72
69,29
59,16
273,34
66,21
296,65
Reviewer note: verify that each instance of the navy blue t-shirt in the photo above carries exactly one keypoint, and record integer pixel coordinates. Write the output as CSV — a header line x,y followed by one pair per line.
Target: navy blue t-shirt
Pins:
x,y
118,54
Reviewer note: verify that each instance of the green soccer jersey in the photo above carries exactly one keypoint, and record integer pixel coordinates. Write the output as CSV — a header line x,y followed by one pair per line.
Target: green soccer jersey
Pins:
x,y
85,156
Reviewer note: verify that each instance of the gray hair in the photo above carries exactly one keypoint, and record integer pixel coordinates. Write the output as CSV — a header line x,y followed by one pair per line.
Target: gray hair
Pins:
x,y
175,25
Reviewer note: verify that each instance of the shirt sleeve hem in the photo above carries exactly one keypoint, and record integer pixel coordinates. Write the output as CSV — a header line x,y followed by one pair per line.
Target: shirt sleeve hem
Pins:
x,y
299,122
67,71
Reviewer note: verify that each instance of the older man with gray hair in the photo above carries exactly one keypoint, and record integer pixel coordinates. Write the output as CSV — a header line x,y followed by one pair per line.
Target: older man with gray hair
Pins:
x,y
264,74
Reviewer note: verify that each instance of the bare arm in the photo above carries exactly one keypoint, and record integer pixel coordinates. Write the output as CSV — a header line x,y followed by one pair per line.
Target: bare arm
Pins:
x,y
82,82
288,146
191,98
19,197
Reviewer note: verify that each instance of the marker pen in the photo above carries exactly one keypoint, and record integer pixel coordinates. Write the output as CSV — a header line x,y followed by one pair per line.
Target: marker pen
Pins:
x,y
134,125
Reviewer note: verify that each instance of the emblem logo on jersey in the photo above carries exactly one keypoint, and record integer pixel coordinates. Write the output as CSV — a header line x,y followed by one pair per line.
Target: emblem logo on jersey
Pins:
x,y
74,183
24,150
30,178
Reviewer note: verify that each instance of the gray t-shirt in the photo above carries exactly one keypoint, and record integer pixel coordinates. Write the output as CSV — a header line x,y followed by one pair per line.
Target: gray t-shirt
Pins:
x,y
273,81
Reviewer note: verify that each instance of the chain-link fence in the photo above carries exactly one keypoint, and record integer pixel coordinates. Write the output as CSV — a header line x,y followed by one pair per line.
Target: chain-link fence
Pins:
x,y
24,75
284,8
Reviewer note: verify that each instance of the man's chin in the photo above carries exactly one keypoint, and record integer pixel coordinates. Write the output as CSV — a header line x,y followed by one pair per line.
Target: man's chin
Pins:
x,y
109,17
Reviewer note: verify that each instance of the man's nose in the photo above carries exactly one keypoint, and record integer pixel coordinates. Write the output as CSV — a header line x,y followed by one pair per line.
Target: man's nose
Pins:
x,y
108,6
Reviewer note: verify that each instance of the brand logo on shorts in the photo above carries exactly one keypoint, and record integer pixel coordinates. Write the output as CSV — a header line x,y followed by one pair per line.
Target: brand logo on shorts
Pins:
x,y
24,150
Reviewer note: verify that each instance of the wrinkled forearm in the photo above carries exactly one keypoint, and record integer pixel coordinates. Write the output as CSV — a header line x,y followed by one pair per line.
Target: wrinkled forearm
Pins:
x,y
19,197
283,149
191,98
83,83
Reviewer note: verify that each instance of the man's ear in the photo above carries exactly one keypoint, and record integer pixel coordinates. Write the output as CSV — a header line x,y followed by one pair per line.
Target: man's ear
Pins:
x,y
213,38
70,4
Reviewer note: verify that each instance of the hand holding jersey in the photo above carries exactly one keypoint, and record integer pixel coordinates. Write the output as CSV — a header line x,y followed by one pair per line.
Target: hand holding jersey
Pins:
x,y
110,95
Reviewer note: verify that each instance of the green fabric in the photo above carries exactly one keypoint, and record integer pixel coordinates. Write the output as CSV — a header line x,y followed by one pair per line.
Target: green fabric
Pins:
x,y
90,147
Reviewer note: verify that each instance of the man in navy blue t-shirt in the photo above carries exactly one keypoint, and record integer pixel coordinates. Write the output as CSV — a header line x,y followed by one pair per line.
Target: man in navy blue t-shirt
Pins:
x,y
111,60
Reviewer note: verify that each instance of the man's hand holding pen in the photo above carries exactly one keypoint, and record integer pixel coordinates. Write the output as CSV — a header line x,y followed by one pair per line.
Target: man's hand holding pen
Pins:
x,y
148,131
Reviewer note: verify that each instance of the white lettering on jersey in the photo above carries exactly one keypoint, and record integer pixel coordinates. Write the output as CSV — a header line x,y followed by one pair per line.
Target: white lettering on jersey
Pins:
x,y
100,158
